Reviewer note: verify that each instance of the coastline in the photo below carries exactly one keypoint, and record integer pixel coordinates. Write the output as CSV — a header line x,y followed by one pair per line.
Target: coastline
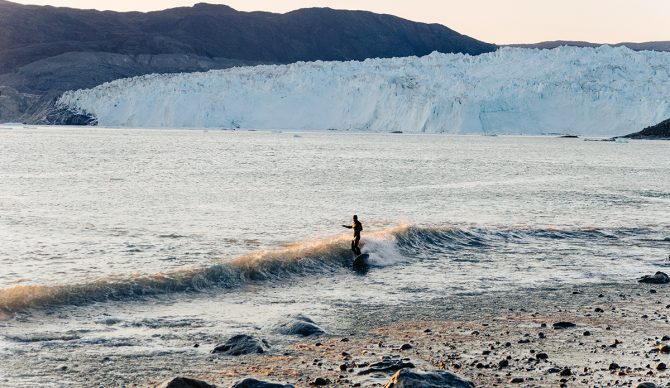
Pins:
x,y
619,328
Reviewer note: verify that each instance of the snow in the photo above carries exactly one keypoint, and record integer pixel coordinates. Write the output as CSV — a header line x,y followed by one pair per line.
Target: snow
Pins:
x,y
588,91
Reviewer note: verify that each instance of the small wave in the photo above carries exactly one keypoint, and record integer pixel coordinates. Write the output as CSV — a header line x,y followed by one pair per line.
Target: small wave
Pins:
x,y
314,257
388,247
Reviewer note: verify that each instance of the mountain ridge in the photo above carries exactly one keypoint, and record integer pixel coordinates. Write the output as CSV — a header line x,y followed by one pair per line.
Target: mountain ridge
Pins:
x,y
552,44
39,44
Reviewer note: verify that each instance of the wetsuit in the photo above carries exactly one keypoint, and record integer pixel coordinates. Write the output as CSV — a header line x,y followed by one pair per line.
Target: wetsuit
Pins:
x,y
357,227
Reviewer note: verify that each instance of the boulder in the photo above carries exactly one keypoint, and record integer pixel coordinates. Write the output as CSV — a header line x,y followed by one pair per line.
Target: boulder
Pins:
x,y
300,325
253,383
563,325
242,344
185,382
657,278
386,365
408,379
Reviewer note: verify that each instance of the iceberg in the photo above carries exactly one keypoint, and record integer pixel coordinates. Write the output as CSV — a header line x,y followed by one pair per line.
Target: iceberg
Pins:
x,y
604,91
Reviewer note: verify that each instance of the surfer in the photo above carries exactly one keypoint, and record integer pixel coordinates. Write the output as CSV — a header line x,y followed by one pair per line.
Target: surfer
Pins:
x,y
357,227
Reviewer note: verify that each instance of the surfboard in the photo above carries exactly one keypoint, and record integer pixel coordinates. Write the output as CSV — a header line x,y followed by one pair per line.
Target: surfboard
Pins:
x,y
361,262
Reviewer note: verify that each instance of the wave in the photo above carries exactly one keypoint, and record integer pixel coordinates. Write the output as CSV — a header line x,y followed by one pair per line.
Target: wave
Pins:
x,y
388,247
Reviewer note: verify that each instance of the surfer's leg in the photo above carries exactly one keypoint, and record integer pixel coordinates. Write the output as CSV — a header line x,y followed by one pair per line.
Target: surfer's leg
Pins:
x,y
354,245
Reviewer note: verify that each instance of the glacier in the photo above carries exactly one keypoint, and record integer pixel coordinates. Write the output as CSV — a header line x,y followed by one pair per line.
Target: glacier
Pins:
x,y
604,91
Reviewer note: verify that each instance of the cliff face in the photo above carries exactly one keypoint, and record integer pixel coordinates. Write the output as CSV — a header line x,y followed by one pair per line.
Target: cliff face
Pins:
x,y
660,131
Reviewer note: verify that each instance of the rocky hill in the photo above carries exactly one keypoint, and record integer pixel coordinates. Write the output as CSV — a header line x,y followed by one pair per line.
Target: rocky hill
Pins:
x,y
46,50
660,131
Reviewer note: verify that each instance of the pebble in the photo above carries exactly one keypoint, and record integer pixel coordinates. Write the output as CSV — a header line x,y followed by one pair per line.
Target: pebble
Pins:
x,y
517,380
320,381
613,366
661,366
406,347
599,310
664,348
503,364
587,333
566,372
542,356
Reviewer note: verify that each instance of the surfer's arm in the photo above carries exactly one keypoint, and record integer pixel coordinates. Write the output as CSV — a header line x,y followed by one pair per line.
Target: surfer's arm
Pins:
x,y
347,226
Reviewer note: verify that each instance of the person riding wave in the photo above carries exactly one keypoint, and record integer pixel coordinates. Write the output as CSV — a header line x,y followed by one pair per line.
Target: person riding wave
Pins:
x,y
357,227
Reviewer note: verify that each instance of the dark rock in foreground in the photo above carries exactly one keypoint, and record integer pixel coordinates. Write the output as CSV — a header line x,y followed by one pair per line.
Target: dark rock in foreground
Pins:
x,y
563,325
407,379
253,383
242,344
299,325
185,382
659,131
386,365
657,278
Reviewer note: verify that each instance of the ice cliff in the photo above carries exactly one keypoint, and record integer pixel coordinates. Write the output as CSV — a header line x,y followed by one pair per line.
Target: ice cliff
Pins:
x,y
589,91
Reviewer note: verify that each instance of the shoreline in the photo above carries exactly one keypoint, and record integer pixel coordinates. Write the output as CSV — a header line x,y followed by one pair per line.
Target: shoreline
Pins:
x,y
615,342
490,338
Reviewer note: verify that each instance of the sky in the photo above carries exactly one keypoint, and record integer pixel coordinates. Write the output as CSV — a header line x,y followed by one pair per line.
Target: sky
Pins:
x,y
494,21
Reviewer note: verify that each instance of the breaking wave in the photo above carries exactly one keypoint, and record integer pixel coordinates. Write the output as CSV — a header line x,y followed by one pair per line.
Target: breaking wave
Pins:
x,y
395,246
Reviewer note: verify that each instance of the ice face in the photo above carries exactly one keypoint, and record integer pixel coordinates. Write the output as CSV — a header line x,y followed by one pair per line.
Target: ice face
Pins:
x,y
587,91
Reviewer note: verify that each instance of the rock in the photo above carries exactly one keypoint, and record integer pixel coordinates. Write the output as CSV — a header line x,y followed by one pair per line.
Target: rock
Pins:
x,y
320,381
185,382
566,372
253,383
563,325
406,347
242,344
599,310
660,131
661,366
587,333
658,278
386,365
664,348
665,338
517,380
299,325
542,356
503,364
408,379
553,369
613,366
646,385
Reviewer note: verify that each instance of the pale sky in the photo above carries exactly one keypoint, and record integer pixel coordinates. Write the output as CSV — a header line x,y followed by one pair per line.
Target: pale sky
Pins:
x,y
494,21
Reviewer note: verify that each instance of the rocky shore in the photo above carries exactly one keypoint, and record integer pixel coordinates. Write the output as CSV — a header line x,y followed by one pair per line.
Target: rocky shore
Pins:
x,y
660,131
596,335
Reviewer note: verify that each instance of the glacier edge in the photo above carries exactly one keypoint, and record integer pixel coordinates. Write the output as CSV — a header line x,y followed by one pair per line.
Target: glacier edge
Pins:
x,y
587,91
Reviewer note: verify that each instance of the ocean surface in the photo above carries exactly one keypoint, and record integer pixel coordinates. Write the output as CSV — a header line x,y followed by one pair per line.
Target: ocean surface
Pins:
x,y
137,241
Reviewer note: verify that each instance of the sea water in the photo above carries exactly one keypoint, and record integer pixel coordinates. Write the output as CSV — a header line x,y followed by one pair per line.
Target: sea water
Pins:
x,y
135,241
